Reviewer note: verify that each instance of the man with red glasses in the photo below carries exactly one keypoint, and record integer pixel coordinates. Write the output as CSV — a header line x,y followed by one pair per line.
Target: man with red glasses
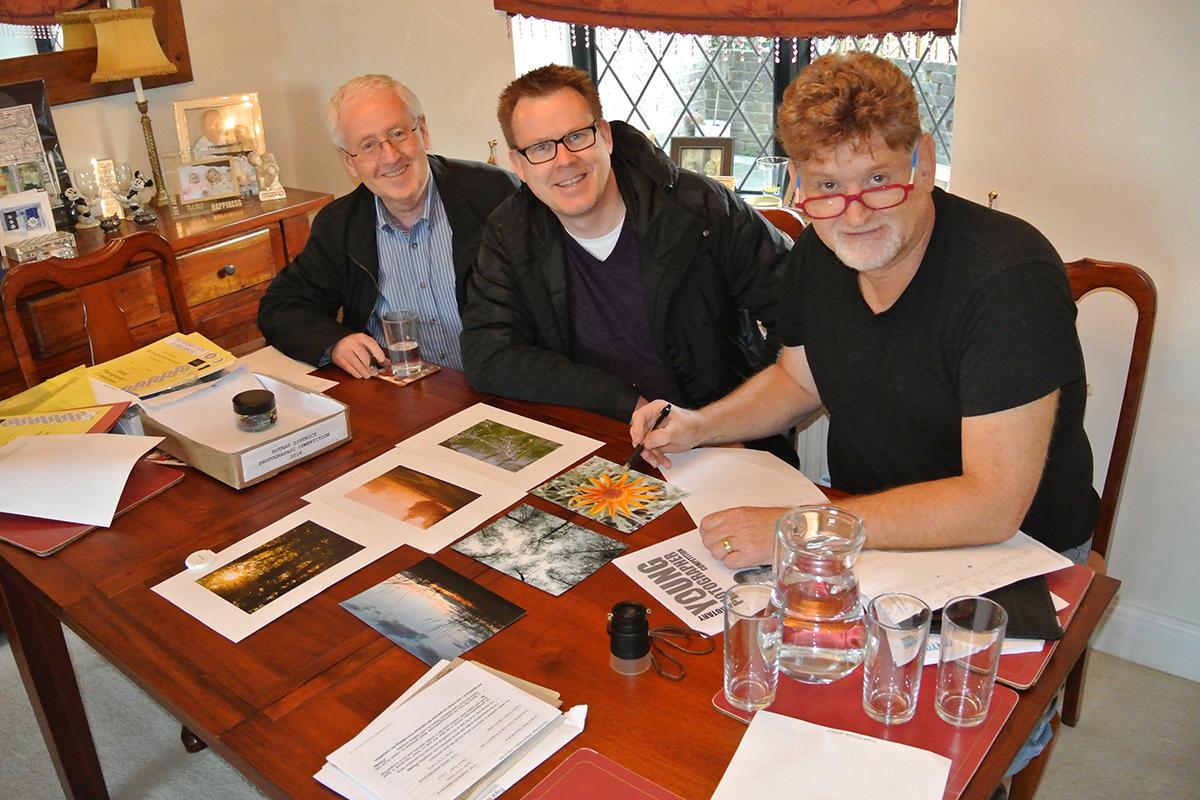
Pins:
x,y
613,276
938,334
404,239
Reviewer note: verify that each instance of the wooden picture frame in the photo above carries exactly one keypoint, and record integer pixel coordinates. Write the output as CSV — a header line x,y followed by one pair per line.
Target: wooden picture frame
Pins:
x,y
706,155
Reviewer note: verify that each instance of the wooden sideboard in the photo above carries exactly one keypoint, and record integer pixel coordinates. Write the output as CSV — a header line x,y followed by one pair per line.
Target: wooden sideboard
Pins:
x,y
225,260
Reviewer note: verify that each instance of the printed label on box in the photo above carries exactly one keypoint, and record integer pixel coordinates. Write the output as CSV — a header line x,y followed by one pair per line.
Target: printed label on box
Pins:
x,y
262,460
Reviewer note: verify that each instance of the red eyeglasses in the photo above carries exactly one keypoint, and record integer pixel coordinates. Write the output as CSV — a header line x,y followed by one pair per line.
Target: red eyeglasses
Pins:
x,y
877,198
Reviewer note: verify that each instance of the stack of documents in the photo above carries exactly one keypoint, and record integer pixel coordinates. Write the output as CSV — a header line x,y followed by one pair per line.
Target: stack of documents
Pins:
x,y
176,361
461,731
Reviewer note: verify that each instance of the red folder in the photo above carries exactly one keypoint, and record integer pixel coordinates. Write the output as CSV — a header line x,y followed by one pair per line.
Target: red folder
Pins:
x,y
44,536
839,705
587,775
1021,670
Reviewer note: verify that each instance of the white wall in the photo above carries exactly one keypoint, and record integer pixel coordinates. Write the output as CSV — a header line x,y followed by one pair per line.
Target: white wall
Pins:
x,y
455,54
1081,114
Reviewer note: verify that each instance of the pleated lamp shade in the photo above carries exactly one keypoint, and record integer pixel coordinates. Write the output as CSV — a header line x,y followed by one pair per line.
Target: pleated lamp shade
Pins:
x,y
126,46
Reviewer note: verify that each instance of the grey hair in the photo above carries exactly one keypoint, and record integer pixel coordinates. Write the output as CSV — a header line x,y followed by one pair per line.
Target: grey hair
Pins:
x,y
353,88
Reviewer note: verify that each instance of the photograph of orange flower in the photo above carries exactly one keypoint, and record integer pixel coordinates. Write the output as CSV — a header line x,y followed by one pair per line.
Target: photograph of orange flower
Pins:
x,y
603,491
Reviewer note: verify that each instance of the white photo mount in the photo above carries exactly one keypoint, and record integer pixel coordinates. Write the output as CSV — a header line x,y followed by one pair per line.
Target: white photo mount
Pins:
x,y
235,624
493,498
573,447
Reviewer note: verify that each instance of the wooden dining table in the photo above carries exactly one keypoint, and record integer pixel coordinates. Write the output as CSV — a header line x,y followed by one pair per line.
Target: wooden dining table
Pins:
x,y
276,703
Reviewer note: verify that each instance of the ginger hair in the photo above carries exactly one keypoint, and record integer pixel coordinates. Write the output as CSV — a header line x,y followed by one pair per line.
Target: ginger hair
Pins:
x,y
539,83
847,99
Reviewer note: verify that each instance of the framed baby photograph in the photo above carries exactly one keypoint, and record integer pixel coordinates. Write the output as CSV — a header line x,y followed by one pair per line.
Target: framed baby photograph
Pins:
x,y
24,215
212,180
223,127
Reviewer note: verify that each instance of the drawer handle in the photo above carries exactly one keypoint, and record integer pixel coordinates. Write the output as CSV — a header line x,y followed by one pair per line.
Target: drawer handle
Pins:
x,y
228,269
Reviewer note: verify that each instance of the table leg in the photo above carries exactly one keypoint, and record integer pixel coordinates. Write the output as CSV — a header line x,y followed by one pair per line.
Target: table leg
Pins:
x,y
42,659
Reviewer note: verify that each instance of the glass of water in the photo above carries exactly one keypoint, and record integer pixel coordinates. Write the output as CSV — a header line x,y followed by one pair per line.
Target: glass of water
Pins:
x,y
404,349
753,622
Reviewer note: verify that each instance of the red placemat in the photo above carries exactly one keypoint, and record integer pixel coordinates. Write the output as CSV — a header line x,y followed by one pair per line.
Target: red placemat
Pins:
x,y
839,705
1021,670
588,775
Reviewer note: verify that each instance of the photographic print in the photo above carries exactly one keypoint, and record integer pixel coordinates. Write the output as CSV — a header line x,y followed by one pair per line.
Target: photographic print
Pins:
x,y
220,127
27,135
706,155
411,496
210,181
270,572
620,498
505,447
274,569
433,612
500,445
540,549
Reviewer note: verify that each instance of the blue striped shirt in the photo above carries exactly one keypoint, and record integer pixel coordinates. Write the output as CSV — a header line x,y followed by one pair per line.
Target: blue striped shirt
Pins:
x,y
416,271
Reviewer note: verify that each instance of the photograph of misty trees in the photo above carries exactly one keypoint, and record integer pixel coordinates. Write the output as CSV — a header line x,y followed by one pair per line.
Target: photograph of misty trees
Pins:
x,y
500,445
432,611
274,569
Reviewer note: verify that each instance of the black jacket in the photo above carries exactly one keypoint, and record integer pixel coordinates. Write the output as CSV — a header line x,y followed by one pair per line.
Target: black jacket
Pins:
x,y
339,267
710,266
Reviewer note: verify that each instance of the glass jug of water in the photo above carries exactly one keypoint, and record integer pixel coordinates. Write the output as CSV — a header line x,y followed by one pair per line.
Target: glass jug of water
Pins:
x,y
823,633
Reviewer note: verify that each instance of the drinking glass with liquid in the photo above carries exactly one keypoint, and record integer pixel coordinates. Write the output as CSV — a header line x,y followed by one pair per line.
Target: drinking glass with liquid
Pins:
x,y
404,348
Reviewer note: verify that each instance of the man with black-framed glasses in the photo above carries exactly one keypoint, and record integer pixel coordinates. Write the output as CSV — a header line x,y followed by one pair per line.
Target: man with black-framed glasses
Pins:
x,y
404,239
938,334
614,277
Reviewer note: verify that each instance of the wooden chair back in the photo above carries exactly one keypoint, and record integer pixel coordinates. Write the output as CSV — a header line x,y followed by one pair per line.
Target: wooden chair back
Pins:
x,y
787,220
104,322
1087,275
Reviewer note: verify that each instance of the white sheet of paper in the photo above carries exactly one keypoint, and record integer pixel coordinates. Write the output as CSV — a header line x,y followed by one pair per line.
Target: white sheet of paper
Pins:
x,y
446,738
232,622
1059,603
269,361
717,478
933,647
936,576
72,477
683,576
493,498
572,446
206,415
778,754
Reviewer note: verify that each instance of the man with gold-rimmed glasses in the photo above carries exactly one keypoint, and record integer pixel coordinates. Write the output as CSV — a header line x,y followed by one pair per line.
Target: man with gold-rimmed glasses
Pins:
x,y
613,277
404,239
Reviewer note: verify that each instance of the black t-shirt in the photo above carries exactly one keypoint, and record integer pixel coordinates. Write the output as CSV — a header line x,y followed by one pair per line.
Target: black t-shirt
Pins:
x,y
986,324
610,326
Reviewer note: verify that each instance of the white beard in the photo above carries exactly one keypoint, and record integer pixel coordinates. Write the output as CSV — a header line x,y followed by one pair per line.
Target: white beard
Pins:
x,y
866,256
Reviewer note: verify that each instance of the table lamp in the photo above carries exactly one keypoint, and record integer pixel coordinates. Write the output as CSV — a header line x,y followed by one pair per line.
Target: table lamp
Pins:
x,y
126,47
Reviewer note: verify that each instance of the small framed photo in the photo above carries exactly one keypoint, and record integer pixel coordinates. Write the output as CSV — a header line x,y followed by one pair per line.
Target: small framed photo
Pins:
x,y
24,215
212,180
707,155
220,128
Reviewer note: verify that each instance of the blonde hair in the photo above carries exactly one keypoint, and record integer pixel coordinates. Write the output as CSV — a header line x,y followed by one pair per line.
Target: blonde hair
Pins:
x,y
847,99
355,87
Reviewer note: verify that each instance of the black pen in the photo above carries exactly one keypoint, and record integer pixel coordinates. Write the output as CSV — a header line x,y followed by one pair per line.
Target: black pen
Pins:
x,y
637,451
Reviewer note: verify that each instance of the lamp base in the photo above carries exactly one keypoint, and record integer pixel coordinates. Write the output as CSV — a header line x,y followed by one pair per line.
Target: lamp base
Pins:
x,y
160,196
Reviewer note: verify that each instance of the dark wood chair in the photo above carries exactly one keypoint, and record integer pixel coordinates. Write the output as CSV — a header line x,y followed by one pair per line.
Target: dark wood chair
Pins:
x,y
104,322
1088,275
787,220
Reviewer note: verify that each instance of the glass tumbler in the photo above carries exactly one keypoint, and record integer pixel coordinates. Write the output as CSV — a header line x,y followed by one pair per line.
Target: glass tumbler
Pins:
x,y
972,636
753,620
894,656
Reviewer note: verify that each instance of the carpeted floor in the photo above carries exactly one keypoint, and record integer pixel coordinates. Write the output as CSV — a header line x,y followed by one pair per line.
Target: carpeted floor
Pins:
x,y
1138,739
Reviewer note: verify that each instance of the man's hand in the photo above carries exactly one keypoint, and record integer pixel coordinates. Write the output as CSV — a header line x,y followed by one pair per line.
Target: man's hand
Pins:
x,y
749,532
682,430
356,352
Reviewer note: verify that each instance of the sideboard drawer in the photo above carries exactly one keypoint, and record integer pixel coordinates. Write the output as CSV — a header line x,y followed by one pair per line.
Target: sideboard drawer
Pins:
x,y
231,265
